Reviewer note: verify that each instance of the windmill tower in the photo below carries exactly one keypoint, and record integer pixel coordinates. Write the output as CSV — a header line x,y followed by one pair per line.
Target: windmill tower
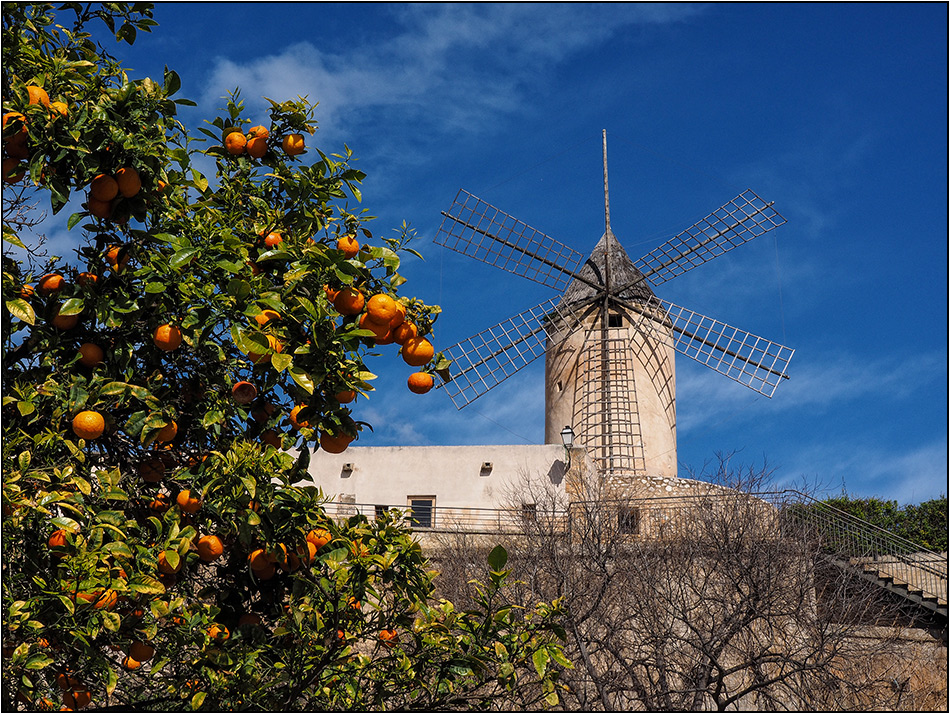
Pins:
x,y
608,340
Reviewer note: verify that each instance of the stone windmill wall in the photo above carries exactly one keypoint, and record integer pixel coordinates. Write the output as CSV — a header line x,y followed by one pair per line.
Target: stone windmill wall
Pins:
x,y
616,387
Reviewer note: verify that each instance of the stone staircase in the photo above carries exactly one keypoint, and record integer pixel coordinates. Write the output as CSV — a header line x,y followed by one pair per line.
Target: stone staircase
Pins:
x,y
874,554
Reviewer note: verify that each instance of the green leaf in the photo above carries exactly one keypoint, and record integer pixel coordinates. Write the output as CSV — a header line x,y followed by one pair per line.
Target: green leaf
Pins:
x,y
172,82
281,361
22,310
182,258
540,659
111,681
38,661
73,220
73,306
302,378
10,236
111,620
155,287
198,700
497,558
146,585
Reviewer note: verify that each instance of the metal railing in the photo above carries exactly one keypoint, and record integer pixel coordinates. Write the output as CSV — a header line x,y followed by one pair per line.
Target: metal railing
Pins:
x,y
867,547
857,543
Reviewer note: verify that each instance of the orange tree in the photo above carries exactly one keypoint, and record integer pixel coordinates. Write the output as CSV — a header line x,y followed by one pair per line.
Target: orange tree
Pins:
x,y
163,391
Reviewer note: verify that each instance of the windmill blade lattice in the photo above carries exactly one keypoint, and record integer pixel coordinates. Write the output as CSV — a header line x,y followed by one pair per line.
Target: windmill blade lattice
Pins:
x,y
605,411
755,362
483,361
740,220
477,229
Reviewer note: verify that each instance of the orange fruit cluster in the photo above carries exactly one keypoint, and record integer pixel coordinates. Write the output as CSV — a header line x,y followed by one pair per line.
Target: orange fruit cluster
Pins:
x,y
105,189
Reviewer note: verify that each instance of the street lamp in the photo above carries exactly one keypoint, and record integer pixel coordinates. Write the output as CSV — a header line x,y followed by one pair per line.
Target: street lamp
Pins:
x,y
567,438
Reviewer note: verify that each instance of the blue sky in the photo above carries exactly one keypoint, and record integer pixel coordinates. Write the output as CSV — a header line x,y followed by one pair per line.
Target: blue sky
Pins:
x,y
836,112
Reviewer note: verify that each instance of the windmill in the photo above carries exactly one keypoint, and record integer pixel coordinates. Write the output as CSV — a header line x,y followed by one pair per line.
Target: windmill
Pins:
x,y
607,339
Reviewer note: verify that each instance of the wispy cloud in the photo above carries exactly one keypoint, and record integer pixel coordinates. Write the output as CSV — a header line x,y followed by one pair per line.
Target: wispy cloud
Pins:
x,y
907,474
445,68
830,382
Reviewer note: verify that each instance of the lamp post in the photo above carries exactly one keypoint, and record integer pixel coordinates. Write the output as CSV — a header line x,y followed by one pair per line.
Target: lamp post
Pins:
x,y
567,438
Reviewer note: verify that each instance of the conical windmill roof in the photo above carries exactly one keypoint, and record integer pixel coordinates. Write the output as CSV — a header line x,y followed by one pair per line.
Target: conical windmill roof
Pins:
x,y
622,272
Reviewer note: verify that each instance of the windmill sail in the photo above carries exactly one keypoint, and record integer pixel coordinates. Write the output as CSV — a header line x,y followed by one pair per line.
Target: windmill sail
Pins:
x,y
740,220
483,361
477,229
755,362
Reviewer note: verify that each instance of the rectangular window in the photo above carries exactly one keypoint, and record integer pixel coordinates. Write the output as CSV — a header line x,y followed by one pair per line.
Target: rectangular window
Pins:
x,y
628,520
422,511
529,511
614,319
381,511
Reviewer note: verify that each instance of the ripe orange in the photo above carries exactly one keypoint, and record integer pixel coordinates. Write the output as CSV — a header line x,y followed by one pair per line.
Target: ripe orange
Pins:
x,y
38,95
265,573
131,664
272,438
274,345
250,619
258,559
152,470
259,132
296,423
319,537
349,245
349,301
165,567
417,351
218,632
77,699
399,317
128,181
160,503
88,425
101,600
404,332
243,392
266,316
346,396
188,501
103,188
389,637
21,132
141,651
26,292
380,331
65,322
335,444
210,548
60,107
273,239
307,551
12,171
235,143
58,539
330,293
90,355
87,279
381,309
420,382
256,146
167,433
293,144
100,209
263,413
50,284
167,337
116,262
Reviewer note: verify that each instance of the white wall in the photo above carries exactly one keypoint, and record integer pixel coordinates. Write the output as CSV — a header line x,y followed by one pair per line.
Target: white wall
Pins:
x,y
388,475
